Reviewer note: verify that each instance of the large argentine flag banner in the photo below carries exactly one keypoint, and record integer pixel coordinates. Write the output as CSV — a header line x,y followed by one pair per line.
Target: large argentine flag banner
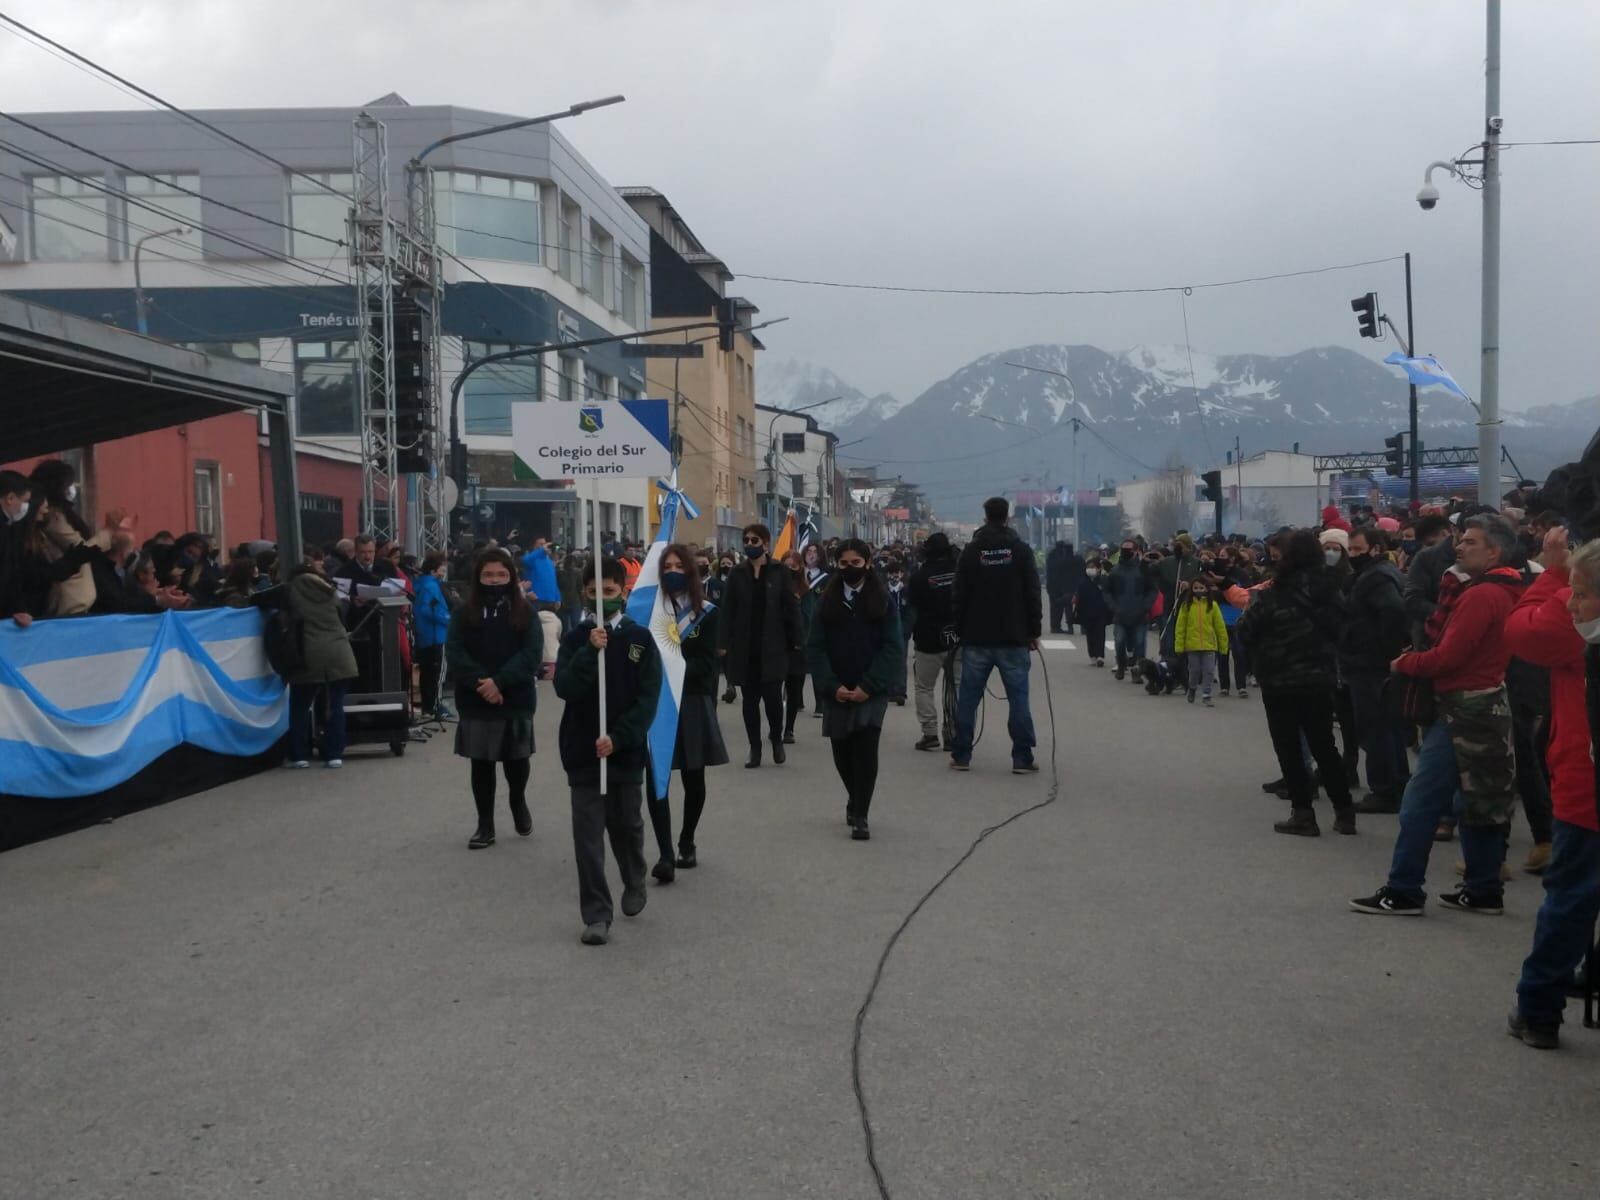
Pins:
x,y
648,606
87,703
1426,371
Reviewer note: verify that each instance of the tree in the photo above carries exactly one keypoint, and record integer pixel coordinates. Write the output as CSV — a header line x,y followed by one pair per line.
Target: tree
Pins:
x,y
1171,503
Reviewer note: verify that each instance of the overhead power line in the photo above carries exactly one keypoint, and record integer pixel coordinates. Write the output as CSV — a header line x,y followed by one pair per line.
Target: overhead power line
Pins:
x,y
129,85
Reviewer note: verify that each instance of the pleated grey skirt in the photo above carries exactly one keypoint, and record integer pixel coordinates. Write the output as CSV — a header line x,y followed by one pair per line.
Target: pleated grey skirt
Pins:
x,y
699,742
495,739
841,720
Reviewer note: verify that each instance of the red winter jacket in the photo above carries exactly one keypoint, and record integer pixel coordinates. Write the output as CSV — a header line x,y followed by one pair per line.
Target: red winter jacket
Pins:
x,y
1471,654
1540,631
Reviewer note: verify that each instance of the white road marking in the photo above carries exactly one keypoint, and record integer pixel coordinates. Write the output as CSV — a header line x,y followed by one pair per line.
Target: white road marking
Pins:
x,y
1058,644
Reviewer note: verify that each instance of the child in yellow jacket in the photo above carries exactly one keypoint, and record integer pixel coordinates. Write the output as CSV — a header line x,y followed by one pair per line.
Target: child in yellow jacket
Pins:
x,y
1201,636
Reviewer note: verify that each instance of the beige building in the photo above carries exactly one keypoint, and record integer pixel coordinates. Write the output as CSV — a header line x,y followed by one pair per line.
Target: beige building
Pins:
x,y
715,394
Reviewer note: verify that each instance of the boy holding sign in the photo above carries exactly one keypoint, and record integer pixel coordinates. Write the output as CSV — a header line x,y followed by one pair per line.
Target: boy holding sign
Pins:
x,y
607,641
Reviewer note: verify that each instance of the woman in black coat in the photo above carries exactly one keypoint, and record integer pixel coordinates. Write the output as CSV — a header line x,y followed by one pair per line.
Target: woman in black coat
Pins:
x,y
1089,609
858,657
758,630
495,648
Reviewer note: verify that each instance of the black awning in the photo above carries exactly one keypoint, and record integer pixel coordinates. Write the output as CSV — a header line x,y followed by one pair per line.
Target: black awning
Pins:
x,y
66,382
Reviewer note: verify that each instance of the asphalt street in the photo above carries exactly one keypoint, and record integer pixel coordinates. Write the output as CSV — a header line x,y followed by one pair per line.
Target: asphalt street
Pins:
x,y
304,986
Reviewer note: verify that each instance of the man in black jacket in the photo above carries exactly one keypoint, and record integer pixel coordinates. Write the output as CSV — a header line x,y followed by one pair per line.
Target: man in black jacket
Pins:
x,y
757,630
998,616
1369,641
933,639
1063,572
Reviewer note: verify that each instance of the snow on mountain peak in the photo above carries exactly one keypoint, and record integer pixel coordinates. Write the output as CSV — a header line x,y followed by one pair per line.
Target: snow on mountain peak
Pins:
x,y
787,384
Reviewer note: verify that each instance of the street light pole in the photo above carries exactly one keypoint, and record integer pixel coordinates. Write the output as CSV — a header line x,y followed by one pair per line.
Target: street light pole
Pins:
x,y
141,306
1489,379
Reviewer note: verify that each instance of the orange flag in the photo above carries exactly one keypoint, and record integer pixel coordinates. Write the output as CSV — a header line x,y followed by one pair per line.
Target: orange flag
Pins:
x,y
785,538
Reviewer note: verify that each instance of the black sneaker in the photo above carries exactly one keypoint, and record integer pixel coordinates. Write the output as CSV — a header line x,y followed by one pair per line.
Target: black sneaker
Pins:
x,y
521,818
1025,768
859,831
1378,802
1275,786
1464,901
1384,903
1540,1037
480,839
931,742
634,900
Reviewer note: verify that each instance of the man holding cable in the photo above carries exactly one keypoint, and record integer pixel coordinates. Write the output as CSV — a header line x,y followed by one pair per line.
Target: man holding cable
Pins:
x,y
998,616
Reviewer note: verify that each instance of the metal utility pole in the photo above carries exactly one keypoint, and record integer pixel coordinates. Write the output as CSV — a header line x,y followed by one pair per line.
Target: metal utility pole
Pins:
x,y
1411,340
372,260
1077,525
1489,379
141,305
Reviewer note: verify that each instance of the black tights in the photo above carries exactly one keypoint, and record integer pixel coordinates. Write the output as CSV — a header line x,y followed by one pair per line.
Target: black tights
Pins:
x,y
517,771
856,757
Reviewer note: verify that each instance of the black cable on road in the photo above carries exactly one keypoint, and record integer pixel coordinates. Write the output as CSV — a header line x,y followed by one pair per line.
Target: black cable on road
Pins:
x,y
894,939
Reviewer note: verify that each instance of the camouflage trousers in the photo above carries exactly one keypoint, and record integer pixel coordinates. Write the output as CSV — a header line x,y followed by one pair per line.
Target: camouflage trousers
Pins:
x,y
1479,723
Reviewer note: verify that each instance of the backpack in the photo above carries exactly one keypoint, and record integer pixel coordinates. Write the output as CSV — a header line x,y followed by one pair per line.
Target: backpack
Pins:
x,y
284,637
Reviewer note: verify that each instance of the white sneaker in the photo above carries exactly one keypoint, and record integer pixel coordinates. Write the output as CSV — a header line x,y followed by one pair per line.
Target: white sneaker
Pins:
x,y
334,764
298,764
1243,695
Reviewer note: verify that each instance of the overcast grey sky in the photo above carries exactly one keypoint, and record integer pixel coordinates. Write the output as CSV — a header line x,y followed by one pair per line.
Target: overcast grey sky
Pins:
x,y
1007,145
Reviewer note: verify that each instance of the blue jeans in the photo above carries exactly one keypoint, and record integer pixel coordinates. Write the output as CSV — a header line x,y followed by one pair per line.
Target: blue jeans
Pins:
x,y
1430,797
302,701
1129,639
1012,662
1379,733
1564,930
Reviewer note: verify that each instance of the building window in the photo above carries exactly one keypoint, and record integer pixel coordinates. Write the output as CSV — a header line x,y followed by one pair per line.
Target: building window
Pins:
x,y
627,393
570,239
208,501
488,216
597,265
797,486
490,391
69,222
168,203
794,443
326,388
595,385
632,523
322,216
631,304
569,377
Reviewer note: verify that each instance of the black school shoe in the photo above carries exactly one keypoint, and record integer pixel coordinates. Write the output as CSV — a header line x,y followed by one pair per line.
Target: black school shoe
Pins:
x,y
521,817
859,831
664,871
481,839
778,756
1464,901
686,858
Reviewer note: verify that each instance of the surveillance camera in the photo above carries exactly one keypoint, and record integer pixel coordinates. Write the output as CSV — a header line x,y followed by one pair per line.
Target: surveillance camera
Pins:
x,y
1496,124
1428,197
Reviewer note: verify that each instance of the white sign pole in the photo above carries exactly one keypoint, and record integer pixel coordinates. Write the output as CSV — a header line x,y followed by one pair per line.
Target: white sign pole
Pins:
x,y
600,610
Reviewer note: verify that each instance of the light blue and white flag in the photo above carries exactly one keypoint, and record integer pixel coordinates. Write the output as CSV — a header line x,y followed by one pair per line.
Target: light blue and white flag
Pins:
x,y
651,607
1426,371
86,704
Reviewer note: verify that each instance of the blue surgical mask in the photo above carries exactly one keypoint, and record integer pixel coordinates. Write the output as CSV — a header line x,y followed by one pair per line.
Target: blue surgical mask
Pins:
x,y
674,581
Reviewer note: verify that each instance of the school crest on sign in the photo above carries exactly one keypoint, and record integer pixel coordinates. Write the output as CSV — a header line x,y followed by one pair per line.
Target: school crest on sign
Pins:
x,y
591,420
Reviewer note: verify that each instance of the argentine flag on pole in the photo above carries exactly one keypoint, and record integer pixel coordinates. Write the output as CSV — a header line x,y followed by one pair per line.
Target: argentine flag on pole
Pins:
x,y
1426,371
649,606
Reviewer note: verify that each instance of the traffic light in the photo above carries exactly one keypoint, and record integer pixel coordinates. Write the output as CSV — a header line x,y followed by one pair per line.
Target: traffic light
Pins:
x,y
727,322
1366,310
1394,455
1213,486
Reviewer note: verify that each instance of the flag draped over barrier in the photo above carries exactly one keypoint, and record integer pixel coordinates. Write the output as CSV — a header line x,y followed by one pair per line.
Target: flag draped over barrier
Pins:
x,y
651,607
85,704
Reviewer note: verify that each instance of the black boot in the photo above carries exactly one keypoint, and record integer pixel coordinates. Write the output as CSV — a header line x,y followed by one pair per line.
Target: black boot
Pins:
x,y
1302,822
521,817
484,834
1344,819
755,755
778,756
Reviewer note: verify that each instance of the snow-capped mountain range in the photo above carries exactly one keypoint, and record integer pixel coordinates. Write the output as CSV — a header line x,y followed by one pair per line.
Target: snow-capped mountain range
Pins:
x,y
790,385
993,426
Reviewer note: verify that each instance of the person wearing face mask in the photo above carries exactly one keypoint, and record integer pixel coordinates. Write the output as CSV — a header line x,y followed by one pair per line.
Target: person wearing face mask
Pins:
x,y
856,651
699,743
1200,636
814,558
758,631
1089,609
895,577
15,504
1556,625
612,642
1370,640
67,539
430,614
327,667
725,566
495,648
